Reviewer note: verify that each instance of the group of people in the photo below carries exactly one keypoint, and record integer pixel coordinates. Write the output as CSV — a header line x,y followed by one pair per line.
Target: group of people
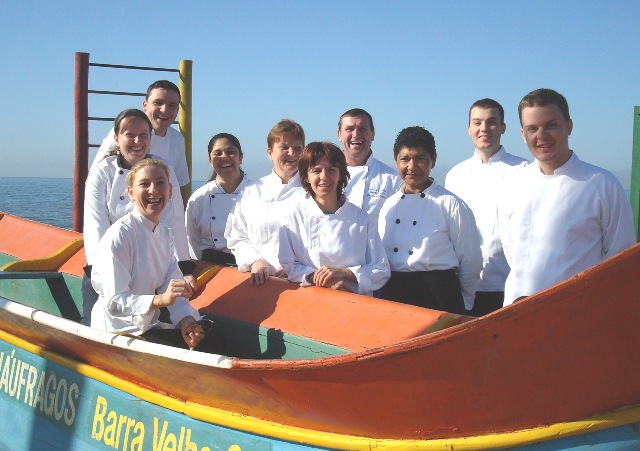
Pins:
x,y
498,230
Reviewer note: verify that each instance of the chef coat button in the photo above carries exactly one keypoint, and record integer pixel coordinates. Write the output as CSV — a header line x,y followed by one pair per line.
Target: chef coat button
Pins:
x,y
213,217
121,171
397,221
121,197
415,222
395,249
410,252
402,197
422,194
215,239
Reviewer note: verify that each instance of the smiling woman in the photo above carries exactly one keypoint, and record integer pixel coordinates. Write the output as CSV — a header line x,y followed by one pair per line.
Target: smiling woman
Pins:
x,y
327,241
210,205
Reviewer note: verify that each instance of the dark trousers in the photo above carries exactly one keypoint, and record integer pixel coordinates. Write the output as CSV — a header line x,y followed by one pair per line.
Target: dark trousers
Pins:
x,y
438,290
89,298
487,302
218,257
214,341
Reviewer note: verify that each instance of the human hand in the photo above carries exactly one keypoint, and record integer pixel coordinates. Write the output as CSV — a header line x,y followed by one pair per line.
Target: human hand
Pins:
x,y
191,331
259,272
342,286
177,288
326,276
191,281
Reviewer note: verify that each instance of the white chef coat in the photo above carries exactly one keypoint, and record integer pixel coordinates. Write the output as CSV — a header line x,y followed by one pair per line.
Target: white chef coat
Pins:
x,y
135,260
170,147
253,228
433,230
206,217
480,186
348,238
370,185
106,200
555,226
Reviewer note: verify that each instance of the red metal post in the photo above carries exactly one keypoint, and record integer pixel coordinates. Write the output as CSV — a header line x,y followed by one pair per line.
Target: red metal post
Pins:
x,y
81,102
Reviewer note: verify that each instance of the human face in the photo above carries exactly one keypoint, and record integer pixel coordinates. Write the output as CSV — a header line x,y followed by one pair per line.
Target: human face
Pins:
x,y
546,133
414,165
285,154
133,140
323,178
162,108
486,129
225,159
356,136
150,190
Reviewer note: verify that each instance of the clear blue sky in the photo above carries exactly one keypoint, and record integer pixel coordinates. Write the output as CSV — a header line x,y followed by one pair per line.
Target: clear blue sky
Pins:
x,y
406,62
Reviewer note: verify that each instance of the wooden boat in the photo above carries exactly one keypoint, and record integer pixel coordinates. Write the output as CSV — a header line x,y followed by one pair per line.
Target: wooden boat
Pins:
x,y
315,368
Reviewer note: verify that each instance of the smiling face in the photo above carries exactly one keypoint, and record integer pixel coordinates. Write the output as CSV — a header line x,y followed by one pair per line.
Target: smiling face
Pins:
x,y
323,178
133,140
546,132
486,129
150,190
414,165
161,107
225,159
356,135
285,154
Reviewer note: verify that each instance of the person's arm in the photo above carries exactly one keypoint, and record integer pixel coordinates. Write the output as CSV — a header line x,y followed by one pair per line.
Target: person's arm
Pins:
x,y
288,255
237,235
192,215
617,220
465,238
96,214
375,272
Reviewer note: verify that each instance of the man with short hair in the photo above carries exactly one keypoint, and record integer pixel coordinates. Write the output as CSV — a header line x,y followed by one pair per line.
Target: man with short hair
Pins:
x,y
559,215
372,181
478,181
161,105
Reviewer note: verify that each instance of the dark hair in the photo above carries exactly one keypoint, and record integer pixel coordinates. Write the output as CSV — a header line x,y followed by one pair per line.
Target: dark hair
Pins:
x,y
228,136
284,126
163,84
415,137
488,104
312,154
232,139
121,121
356,112
544,97
124,117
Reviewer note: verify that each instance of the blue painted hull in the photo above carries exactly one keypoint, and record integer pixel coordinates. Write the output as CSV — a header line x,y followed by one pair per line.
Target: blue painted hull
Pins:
x,y
48,406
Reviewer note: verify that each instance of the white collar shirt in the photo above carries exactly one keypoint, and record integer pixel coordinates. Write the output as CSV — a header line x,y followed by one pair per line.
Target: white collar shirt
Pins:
x,y
555,226
106,200
370,185
348,238
480,186
433,230
253,228
206,217
134,261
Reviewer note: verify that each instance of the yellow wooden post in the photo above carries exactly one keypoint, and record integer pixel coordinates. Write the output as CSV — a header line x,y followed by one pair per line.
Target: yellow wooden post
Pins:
x,y
184,83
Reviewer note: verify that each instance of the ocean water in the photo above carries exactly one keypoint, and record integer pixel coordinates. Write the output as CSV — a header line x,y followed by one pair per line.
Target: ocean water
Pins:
x,y
47,200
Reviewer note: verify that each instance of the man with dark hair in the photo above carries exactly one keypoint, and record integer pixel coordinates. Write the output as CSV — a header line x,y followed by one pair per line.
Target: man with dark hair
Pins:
x,y
161,105
479,182
559,215
372,181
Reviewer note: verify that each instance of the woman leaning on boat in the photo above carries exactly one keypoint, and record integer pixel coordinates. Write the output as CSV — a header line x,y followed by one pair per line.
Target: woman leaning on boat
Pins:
x,y
210,205
106,198
327,241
